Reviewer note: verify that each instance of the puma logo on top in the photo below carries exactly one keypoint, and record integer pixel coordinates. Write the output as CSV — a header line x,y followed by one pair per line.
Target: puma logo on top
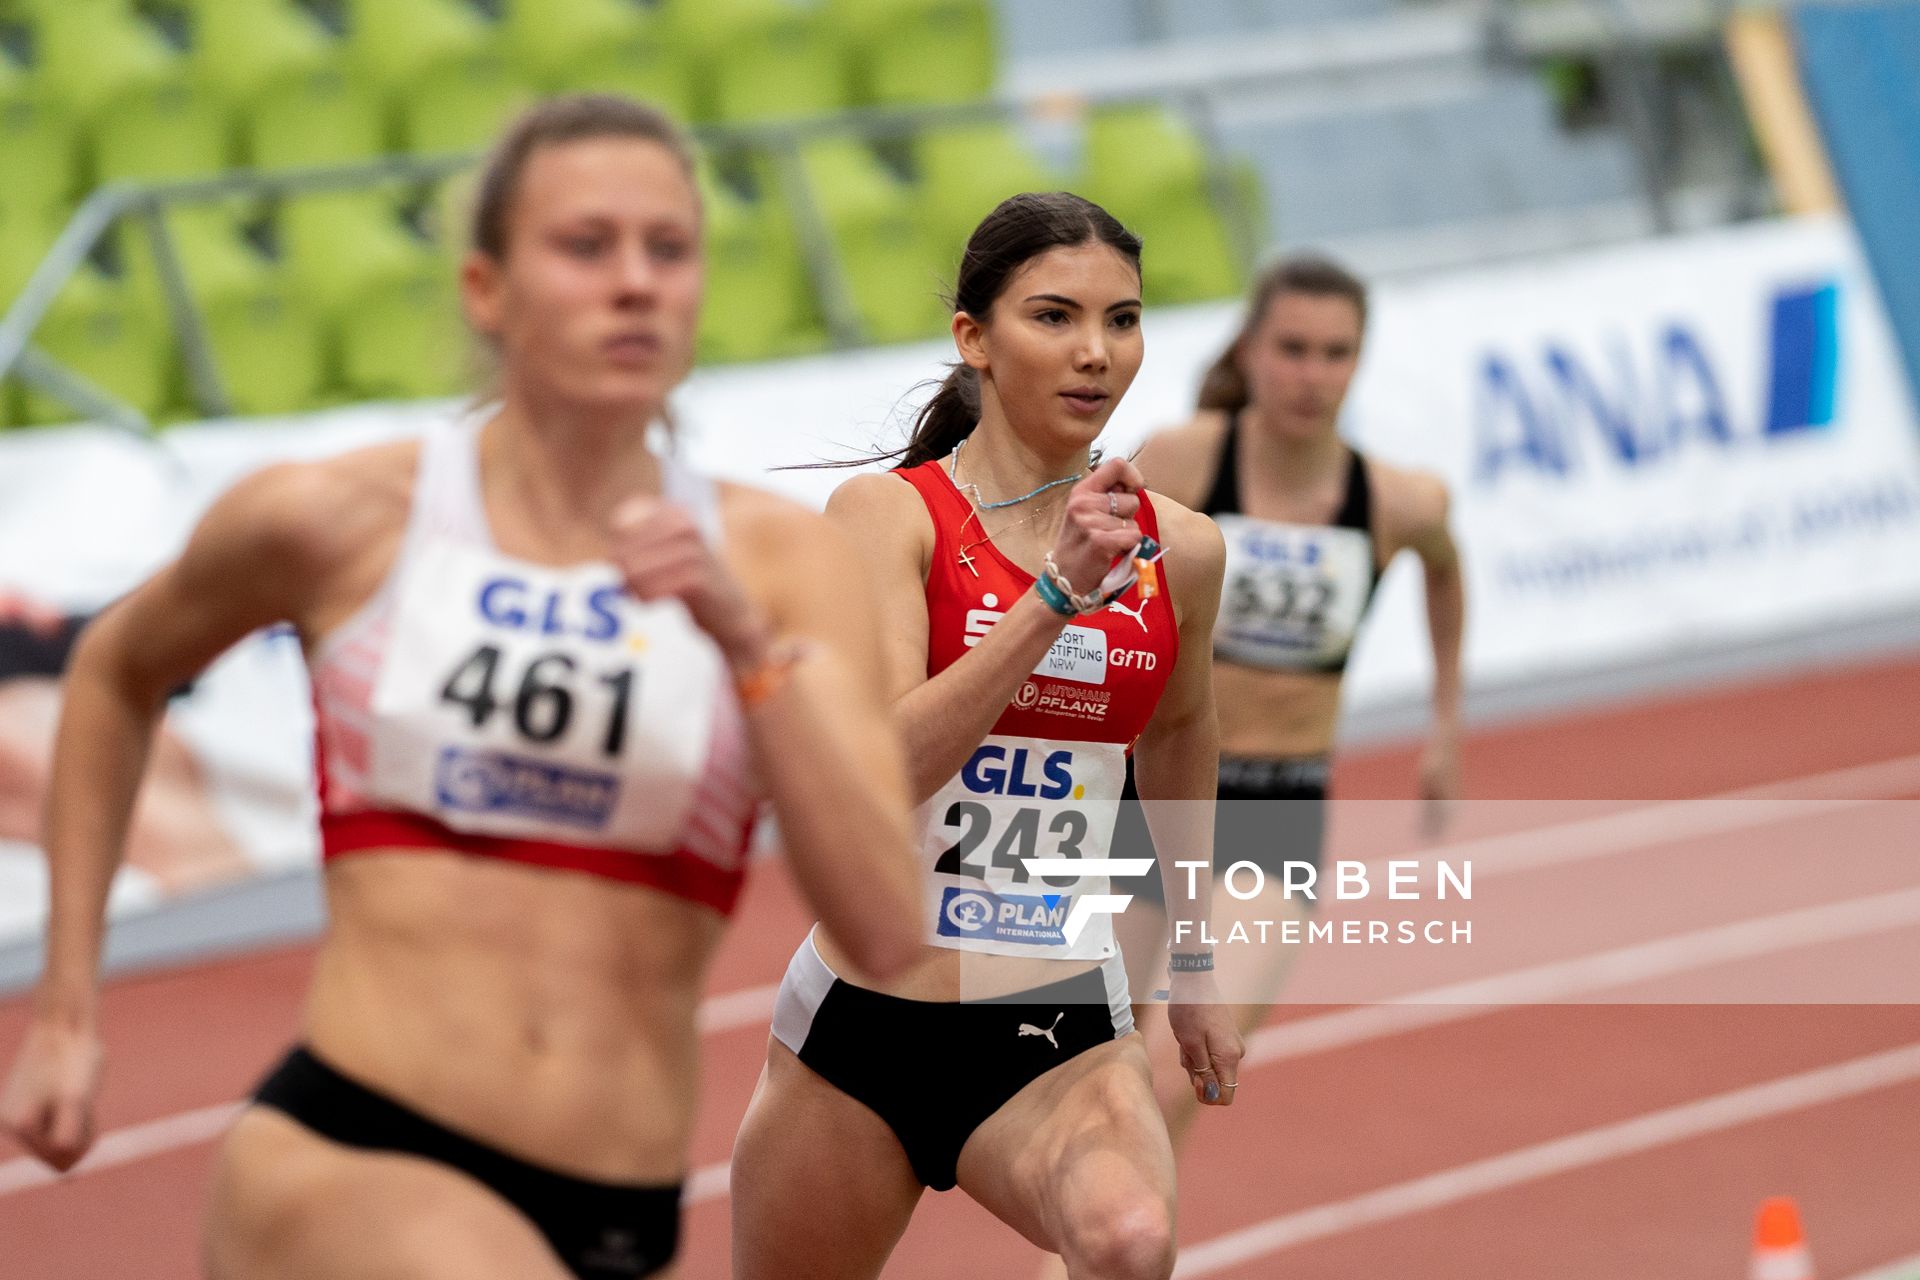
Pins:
x,y
1117,607
1028,1029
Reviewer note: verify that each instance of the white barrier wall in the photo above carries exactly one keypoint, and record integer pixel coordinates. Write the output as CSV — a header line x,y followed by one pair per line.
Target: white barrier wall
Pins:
x,y
1657,449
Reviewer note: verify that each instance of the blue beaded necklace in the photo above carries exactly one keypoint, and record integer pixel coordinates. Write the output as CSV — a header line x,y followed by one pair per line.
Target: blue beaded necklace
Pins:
x,y
953,469
953,472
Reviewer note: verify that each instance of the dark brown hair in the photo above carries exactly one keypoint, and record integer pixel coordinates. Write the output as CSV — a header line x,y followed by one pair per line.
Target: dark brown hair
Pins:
x,y
1225,386
571,118
1019,229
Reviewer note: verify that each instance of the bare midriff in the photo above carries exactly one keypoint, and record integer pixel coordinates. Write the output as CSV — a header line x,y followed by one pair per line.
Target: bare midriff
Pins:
x,y
546,1013
1270,715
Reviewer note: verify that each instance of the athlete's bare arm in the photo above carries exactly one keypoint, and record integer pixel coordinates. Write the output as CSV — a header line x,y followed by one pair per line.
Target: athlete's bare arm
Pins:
x,y
943,720
1176,763
1414,509
1176,770
829,757
266,552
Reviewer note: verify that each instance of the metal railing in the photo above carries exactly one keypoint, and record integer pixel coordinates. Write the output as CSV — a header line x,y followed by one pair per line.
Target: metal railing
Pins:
x,y
146,205
1626,39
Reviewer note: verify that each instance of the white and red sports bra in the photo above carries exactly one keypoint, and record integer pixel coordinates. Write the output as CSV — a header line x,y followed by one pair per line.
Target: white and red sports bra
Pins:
x,y
497,708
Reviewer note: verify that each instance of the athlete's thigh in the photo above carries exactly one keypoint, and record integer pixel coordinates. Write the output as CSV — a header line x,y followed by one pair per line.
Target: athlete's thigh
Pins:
x,y
289,1205
1082,1139
821,1187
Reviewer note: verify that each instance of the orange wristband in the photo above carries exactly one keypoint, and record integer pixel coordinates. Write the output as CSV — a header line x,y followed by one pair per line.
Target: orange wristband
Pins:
x,y
767,679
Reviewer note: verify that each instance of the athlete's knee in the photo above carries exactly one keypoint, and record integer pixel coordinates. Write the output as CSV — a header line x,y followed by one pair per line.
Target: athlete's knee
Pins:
x,y
1130,1240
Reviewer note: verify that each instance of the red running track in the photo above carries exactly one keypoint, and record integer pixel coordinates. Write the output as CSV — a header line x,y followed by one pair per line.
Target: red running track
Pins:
x,y
1545,1139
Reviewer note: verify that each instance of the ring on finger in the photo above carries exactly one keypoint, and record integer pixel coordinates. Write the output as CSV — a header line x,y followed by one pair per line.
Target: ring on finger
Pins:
x,y
1113,504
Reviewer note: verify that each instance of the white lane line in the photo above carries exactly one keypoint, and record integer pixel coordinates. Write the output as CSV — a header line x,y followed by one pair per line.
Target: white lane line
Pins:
x,y
1562,980
750,1006
1614,833
1673,821
1905,1269
124,1146
708,1182
1562,1155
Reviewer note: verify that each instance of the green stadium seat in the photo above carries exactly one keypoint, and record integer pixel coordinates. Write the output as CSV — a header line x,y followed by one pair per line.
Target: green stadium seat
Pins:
x,y
1150,171
26,233
965,171
920,51
335,243
404,337
462,104
264,331
267,340
106,332
394,41
24,240
763,59
444,70
295,99
893,270
40,144
322,116
610,46
388,296
145,113
759,301
244,44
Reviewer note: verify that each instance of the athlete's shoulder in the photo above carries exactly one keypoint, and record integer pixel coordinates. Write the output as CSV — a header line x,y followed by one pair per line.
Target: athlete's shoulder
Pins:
x,y
878,502
766,522
1411,505
309,516
1181,459
1193,541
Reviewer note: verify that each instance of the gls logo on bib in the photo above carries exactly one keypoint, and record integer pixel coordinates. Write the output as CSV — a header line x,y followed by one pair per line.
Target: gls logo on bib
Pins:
x,y
1028,821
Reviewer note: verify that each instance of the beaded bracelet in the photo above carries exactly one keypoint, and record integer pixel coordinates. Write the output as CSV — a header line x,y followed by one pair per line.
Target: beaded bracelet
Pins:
x,y
1137,567
1052,596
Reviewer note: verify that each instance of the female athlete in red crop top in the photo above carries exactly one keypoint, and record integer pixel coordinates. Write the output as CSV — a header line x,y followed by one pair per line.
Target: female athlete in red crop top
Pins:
x,y
554,676
1004,1062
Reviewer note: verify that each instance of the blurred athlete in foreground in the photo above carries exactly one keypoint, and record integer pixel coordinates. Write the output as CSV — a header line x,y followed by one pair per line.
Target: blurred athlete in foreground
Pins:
x,y
554,672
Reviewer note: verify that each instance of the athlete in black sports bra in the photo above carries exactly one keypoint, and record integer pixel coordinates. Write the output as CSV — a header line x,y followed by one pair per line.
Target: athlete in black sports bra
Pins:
x,y
1310,524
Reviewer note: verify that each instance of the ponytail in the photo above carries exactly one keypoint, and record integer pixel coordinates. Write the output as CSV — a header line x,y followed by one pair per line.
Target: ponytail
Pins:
x,y
1225,386
946,420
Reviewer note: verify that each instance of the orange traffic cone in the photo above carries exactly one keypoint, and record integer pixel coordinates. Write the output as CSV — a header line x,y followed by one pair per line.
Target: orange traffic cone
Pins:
x,y
1779,1245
